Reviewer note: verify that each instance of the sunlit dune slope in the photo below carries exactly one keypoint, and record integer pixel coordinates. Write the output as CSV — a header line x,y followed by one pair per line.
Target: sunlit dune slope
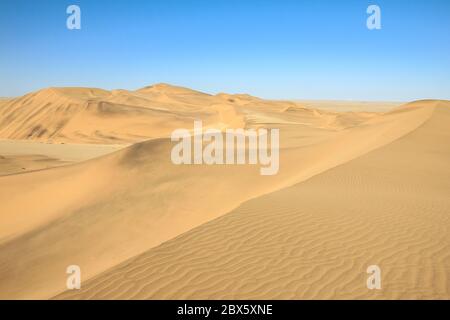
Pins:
x,y
315,240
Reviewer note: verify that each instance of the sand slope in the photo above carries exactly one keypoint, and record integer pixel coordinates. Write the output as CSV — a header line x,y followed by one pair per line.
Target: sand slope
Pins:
x,y
315,240
98,213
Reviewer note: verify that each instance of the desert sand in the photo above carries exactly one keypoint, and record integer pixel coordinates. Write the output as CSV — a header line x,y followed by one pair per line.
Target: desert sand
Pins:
x,y
354,189
19,156
351,106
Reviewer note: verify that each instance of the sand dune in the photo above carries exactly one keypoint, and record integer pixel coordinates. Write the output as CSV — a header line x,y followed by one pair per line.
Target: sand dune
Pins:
x,y
314,240
86,115
111,194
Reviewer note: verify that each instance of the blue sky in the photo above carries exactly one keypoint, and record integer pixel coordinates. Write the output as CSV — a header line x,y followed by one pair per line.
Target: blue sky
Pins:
x,y
311,49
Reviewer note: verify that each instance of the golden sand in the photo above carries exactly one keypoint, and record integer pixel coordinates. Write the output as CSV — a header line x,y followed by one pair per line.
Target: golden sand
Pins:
x,y
354,189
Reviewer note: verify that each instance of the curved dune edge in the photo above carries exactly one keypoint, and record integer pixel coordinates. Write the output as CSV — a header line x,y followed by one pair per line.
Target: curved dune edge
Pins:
x,y
314,240
138,200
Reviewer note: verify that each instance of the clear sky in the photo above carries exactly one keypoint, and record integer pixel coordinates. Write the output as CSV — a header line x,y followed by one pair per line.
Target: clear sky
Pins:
x,y
311,49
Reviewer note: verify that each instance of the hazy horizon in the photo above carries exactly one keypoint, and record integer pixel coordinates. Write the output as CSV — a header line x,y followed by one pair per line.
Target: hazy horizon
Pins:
x,y
215,93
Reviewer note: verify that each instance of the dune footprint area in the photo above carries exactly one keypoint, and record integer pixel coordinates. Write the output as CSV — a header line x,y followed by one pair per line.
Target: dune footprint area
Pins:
x,y
86,179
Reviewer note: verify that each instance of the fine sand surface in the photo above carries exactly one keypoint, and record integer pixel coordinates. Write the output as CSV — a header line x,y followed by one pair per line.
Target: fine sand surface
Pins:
x,y
354,189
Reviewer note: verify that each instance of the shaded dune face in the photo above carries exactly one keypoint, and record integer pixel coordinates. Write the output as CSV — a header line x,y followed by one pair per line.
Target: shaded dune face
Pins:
x,y
110,213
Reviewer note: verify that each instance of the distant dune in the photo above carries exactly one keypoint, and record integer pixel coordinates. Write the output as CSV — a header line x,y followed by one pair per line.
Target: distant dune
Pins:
x,y
86,115
353,189
351,106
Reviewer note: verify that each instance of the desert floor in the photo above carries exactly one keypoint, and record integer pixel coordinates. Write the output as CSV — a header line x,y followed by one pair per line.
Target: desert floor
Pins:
x,y
86,179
